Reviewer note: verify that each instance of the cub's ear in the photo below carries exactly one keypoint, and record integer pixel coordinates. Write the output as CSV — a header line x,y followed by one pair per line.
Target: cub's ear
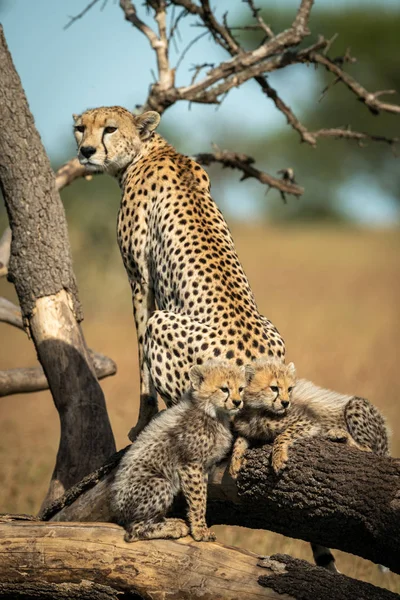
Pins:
x,y
147,123
75,117
291,369
196,376
249,371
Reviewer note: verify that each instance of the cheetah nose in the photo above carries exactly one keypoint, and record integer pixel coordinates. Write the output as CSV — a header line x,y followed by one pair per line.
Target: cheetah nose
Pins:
x,y
285,403
237,403
88,151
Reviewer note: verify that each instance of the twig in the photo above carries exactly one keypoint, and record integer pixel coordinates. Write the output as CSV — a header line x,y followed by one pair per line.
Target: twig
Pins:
x,y
187,48
368,98
261,23
81,14
242,162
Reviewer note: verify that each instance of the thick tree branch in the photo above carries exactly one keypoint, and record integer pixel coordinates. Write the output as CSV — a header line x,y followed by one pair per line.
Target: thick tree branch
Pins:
x,y
308,501
33,379
57,558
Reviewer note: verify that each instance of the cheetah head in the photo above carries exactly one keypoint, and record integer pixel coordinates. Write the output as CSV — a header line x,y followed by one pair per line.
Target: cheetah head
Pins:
x,y
270,385
110,138
217,387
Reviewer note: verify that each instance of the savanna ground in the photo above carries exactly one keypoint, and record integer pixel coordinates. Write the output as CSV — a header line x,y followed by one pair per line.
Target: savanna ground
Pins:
x,y
334,294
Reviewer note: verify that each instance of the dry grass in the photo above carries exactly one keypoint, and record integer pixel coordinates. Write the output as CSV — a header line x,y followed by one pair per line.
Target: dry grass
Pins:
x,y
334,294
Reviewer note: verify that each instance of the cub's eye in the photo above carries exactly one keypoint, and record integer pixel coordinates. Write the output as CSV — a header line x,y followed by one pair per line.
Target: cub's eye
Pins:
x,y
290,389
80,128
109,129
274,388
224,389
241,389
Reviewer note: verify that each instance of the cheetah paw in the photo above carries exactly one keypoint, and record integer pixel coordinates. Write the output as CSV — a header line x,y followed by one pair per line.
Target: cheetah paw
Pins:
x,y
203,534
338,435
235,467
279,460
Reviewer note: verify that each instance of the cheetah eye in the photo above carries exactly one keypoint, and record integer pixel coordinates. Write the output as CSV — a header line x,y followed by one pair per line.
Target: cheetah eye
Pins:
x,y
224,389
109,129
241,389
80,128
274,388
290,389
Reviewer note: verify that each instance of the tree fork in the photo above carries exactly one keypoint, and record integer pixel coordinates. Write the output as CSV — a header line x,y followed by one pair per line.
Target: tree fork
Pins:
x,y
41,269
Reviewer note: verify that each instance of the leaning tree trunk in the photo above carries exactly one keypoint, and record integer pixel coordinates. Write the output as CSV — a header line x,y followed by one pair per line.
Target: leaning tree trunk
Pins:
x,y
329,495
92,562
41,269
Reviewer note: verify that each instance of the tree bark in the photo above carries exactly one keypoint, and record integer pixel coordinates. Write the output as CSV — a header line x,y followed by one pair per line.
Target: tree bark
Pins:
x,y
55,557
40,267
33,379
329,495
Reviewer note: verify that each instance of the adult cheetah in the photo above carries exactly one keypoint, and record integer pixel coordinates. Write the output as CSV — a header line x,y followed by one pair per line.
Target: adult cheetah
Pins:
x,y
191,299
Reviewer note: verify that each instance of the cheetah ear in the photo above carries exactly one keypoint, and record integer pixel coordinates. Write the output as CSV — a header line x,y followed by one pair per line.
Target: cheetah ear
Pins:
x,y
147,122
75,117
196,376
249,372
291,369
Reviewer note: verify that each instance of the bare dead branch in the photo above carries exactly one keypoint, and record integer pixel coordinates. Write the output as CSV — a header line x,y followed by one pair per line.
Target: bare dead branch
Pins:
x,y
10,313
358,136
33,379
368,98
81,14
158,43
5,248
60,561
70,171
244,163
305,135
261,23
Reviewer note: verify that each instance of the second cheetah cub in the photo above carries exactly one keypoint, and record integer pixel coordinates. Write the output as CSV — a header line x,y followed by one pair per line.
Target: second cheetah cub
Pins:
x,y
278,408
176,452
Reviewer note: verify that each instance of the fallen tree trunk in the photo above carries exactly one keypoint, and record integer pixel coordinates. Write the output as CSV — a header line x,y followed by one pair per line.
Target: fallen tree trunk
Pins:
x,y
59,560
40,267
329,494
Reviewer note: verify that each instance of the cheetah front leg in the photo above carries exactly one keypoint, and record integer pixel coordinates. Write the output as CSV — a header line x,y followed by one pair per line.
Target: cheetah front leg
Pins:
x,y
239,449
143,307
194,487
280,451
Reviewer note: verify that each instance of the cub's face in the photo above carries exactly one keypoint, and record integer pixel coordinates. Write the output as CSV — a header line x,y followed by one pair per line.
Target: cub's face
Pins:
x,y
109,138
270,386
218,387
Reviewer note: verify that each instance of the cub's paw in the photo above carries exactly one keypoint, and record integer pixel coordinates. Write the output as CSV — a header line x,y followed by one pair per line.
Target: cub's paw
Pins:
x,y
203,534
131,535
338,435
235,467
279,458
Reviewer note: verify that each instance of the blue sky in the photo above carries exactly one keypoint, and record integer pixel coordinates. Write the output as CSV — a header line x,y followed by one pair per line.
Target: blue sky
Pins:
x,y
102,60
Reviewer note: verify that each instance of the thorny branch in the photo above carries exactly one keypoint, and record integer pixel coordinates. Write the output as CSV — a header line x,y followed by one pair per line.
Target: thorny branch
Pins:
x,y
274,52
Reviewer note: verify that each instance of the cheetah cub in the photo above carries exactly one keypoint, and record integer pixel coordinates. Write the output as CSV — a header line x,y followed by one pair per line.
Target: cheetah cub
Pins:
x,y
280,409
175,452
